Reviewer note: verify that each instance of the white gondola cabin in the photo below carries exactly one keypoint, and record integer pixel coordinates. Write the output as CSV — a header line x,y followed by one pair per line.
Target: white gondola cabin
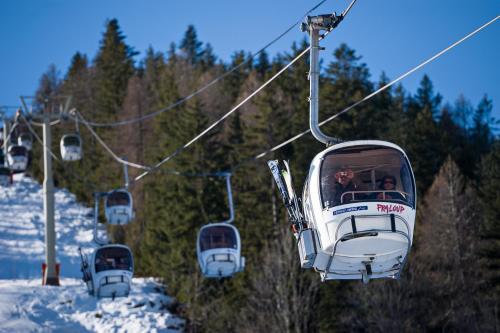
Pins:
x,y
17,157
219,250
358,207
5,176
218,246
71,147
25,140
119,208
109,271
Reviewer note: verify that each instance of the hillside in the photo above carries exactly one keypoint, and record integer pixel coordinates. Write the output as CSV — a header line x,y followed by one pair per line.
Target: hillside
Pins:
x,y
26,306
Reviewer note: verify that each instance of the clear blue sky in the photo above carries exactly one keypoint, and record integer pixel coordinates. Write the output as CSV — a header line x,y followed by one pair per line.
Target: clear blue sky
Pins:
x,y
391,35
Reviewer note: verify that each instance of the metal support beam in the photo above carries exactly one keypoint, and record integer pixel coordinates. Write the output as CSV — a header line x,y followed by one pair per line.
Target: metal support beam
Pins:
x,y
314,88
50,277
229,199
314,25
6,130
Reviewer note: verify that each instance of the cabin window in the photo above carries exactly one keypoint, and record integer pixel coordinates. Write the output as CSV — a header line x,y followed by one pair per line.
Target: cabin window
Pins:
x,y
217,237
118,199
366,173
113,258
17,150
71,141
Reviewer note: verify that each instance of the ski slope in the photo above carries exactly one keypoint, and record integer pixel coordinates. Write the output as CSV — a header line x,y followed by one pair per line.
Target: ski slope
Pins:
x,y
26,306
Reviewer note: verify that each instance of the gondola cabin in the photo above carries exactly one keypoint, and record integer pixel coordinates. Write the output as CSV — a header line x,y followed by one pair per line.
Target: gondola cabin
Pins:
x,y
219,250
359,205
71,147
119,207
5,176
25,140
109,271
17,157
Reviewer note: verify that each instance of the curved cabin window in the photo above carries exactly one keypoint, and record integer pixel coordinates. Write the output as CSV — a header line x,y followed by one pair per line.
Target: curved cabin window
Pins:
x,y
217,238
71,140
4,171
17,151
118,198
113,258
366,173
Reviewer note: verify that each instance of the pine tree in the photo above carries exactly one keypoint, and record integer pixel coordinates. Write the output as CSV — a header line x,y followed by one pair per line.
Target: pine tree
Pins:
x,y
489,191
191,47
208,58
114,65
262,64
424,146
78,65
481,133
348,82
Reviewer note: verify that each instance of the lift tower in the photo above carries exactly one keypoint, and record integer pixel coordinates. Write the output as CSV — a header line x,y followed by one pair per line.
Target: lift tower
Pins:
x,y
48,115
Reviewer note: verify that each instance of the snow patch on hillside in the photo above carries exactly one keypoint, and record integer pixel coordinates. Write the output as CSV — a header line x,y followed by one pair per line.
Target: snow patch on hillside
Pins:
x,y
26,306
22,230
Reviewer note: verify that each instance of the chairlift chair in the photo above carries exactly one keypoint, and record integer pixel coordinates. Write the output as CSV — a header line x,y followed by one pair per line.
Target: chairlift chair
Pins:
x,y
109,271
25,140
218,246
17,157
71,147
5,176
119,207
351,224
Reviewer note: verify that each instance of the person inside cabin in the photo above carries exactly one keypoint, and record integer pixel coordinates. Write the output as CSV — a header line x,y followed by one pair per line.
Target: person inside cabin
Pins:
x,y
344,186
388,184
100,262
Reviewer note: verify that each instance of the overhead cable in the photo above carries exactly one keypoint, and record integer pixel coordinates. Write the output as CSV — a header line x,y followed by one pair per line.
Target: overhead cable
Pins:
x,y
208,85
180,149
434,57
105,146
37,137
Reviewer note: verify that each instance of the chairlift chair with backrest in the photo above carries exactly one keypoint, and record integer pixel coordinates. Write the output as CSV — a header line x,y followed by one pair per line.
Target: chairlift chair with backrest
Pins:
x,y
119,207
218,245
71,147
17,157
352,224
25,140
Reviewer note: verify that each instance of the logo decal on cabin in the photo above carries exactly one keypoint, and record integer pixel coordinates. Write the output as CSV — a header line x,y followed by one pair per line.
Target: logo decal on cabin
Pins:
x,y
350,209
390,208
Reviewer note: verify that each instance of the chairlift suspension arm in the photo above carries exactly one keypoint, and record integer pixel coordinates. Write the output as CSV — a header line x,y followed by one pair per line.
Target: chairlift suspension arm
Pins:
x,y
97,197
314,25
229,198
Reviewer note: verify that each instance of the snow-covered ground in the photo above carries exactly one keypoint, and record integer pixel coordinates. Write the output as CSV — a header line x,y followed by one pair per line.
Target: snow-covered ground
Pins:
x,y
26,306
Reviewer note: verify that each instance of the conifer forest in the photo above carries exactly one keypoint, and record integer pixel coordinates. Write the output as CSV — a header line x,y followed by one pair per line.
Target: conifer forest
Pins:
x,y
451,282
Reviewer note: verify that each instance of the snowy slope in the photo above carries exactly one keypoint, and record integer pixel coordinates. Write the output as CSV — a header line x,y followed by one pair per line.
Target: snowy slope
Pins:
x,y
26,306
22,230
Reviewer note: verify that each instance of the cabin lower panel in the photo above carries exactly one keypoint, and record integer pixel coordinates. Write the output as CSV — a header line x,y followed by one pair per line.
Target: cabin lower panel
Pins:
x,y
114,286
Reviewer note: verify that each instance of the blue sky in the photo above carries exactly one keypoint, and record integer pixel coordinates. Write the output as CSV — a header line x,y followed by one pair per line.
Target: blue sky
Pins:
x,y
390,35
